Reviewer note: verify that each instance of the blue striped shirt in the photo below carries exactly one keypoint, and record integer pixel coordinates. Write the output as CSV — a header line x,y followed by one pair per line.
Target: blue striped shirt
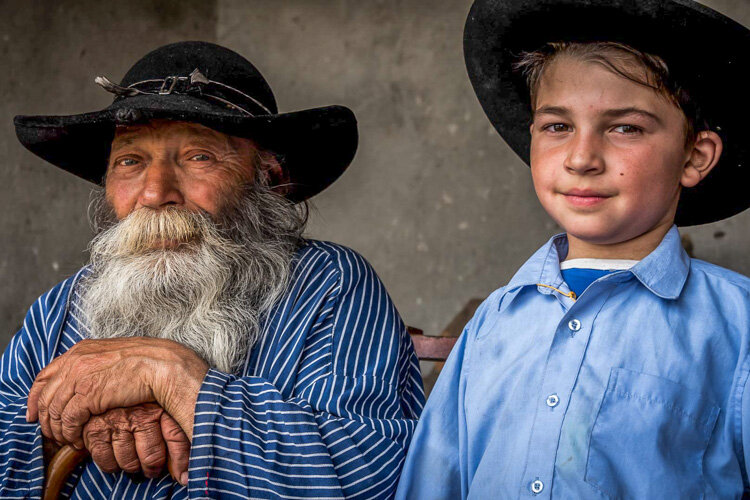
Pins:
x,y
324,407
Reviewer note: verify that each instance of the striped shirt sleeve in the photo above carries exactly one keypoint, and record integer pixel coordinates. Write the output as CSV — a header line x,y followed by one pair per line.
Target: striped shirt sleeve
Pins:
x,y
21,458
344,429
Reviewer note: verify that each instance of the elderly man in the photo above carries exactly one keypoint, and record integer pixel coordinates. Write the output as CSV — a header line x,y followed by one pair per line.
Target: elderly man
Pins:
x,y
206,331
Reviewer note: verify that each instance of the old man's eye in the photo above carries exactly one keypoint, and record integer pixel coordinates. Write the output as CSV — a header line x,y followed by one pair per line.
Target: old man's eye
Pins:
x,y
200,157
127,162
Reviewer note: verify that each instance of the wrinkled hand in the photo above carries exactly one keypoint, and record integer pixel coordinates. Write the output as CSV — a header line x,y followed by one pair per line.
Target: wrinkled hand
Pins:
x,y
139,438
99,375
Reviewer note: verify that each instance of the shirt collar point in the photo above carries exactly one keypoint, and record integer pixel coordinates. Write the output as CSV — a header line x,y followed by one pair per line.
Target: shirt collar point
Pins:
x,y
665,270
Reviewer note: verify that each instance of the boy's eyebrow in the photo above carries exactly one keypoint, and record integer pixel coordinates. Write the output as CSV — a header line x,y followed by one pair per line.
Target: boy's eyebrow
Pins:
x,y
619,113
610,113
551,110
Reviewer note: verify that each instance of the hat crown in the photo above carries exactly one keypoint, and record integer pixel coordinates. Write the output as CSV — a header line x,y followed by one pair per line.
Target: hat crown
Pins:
x,y
202,83
213,61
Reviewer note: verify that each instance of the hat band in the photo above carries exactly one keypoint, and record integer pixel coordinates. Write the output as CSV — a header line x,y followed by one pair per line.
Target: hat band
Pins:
x,y
195,84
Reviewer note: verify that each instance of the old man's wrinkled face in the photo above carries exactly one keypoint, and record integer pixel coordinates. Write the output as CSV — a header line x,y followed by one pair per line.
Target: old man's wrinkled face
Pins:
x,y
164,163
192,244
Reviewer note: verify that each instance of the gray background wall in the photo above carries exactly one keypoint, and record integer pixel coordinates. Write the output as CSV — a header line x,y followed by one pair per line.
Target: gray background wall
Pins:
x,y
435,200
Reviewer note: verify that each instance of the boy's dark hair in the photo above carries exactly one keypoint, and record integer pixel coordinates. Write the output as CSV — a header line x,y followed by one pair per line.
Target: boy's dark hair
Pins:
x,y
649,70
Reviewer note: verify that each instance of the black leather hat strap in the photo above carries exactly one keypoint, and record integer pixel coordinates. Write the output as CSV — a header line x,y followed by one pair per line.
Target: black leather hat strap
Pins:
x,y
195,84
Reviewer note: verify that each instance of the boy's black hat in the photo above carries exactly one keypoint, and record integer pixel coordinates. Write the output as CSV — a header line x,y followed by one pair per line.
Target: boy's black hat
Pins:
x,y
208,84
706,52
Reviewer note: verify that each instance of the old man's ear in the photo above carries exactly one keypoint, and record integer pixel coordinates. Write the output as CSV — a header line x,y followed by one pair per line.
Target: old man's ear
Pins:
x,y
270,172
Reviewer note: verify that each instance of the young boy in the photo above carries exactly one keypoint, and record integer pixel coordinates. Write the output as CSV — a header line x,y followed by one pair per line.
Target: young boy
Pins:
x,y
612,364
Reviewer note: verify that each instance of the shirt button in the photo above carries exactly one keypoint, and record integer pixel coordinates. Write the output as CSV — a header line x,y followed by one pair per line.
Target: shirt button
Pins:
x,y
537,486
552,400
574,325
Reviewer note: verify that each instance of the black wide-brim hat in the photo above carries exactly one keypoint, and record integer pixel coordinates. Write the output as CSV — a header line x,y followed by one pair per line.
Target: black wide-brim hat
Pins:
x,y
208,84
707,53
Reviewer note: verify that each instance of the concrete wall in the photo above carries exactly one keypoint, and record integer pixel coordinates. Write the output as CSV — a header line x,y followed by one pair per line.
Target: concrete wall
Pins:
x,y
435,200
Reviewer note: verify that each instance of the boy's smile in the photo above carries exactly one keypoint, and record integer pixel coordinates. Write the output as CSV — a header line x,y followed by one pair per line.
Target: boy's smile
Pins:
x,y
585,197
608,158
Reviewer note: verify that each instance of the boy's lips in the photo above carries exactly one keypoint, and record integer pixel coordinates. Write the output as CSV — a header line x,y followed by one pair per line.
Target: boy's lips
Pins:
x,y
585,197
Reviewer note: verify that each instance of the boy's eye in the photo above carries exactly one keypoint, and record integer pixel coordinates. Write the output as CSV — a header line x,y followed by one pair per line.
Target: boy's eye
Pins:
x,y
628,129
557,127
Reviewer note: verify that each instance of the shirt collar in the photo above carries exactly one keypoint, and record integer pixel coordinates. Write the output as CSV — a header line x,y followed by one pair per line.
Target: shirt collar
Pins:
x,y
543,267
664,271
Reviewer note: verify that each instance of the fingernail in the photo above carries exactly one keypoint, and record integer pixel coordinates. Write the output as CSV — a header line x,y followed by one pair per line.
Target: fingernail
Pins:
x,y
184,478
27,415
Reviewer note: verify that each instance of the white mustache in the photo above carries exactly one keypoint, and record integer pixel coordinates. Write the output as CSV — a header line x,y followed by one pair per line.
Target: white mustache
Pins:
x,y
147,229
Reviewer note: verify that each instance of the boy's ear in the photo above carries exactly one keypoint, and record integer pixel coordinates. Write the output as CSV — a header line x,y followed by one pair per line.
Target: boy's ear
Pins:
x,y
704,155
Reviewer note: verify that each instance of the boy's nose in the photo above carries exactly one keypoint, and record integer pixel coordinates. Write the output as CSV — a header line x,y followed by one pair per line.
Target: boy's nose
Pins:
x,y
160,186
584,156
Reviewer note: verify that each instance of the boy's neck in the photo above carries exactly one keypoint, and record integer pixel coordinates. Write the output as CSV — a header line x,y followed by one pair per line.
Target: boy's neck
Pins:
x,y
633,249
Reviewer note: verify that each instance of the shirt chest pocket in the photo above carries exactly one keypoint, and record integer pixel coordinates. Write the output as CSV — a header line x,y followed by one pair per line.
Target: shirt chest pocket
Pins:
x,y
649,438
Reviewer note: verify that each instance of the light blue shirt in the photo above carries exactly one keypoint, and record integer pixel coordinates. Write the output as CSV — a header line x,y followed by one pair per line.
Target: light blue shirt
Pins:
x,y
635,390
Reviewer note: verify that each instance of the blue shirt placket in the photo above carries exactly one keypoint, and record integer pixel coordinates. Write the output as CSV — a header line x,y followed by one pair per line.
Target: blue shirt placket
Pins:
x,y
569,343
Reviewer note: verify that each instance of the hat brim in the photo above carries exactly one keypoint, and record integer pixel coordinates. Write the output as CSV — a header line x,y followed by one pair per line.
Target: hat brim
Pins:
x,y
708,53
315,145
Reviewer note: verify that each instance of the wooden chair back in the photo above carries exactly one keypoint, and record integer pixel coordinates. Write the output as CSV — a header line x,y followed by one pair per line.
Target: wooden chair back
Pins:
x,y
429,348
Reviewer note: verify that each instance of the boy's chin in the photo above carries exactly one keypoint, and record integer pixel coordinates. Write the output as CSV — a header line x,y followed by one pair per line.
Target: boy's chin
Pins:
x,y
611,235
598,234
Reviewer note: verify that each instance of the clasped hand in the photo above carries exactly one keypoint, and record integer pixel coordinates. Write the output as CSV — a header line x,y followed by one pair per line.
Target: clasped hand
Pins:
x,y
125,400
139,438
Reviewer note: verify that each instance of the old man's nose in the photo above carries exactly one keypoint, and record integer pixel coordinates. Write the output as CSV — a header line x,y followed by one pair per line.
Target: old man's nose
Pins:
x,y
161,186
584,155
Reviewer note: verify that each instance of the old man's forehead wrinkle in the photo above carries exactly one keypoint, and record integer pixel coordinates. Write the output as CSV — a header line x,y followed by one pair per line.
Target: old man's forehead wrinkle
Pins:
x,y
127,135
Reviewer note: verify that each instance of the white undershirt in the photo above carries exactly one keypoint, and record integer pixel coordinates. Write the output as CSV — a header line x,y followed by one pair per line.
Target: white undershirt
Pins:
x,y
599,264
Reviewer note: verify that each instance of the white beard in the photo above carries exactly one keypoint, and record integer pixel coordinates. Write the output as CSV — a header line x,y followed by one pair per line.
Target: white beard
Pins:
x,y
209,289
